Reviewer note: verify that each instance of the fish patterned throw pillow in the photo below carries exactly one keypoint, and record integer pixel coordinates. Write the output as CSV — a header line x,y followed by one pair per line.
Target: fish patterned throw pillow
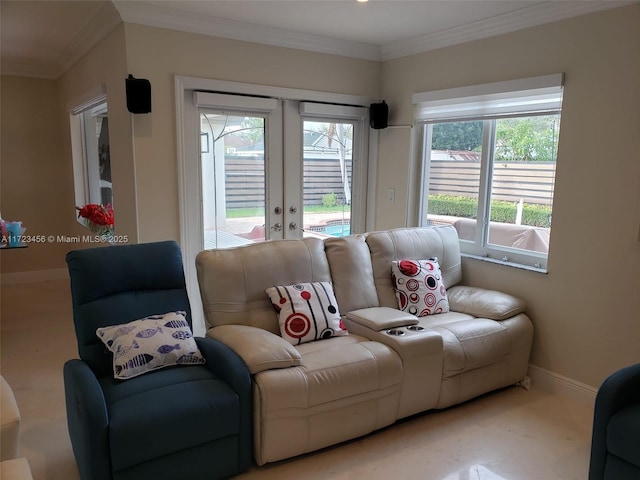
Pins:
x,y
150,343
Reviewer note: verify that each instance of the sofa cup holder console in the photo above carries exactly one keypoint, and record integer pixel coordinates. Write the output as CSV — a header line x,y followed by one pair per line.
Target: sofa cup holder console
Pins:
x,y
398,332
395,332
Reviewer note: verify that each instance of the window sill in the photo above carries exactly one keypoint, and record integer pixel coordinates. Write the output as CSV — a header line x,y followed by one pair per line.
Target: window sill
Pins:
x,y
506,264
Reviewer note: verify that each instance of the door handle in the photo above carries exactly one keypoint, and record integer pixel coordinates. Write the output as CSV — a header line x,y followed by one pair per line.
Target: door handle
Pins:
x,y
277,227
293,226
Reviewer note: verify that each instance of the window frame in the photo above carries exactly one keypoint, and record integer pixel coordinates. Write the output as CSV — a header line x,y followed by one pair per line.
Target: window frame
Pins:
x,y
488,103
82,153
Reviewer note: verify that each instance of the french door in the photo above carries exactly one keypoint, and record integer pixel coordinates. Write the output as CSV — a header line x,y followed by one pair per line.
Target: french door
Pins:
x,y
241,169
254,168
274,169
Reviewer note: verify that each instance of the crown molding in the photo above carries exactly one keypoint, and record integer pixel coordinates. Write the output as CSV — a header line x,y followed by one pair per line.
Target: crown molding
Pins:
x,y
546,12
153,15
110,14
99,25
539,14
102,22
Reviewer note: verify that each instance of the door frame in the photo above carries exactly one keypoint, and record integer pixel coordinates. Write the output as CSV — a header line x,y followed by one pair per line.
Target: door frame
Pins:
x,y
191,233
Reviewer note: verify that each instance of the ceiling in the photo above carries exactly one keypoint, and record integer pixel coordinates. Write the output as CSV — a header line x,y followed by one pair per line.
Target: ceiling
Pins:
x,y
44,38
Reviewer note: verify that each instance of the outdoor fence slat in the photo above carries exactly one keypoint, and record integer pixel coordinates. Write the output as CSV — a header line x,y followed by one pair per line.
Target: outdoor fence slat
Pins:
x,y
533,182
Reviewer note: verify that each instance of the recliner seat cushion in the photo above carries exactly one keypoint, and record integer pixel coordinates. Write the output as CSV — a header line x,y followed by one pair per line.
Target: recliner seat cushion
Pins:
x,y
345,387
197,408
332,369
471,343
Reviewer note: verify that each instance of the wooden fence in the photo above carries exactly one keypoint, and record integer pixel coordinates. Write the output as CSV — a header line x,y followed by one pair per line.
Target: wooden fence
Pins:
x,y
512,181
245,181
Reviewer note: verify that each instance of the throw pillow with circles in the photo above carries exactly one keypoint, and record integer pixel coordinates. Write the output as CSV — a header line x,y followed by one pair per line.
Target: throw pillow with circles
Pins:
x,y
307,312
419,287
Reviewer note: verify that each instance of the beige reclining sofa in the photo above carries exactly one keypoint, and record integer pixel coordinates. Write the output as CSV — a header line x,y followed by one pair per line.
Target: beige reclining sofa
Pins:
x,y
391,364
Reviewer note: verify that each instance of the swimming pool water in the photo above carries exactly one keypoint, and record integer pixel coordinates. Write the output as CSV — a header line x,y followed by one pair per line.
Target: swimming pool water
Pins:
x,y
338,230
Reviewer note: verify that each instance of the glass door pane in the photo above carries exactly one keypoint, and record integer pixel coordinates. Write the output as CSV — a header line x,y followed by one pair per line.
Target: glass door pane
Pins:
x,y
232,152
327,172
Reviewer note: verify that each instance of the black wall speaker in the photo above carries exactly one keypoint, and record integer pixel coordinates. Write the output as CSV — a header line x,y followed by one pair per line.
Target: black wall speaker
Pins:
x,y
138,95
379,115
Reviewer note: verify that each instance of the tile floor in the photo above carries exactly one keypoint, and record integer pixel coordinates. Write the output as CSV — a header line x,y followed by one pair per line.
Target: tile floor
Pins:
x,y
513,434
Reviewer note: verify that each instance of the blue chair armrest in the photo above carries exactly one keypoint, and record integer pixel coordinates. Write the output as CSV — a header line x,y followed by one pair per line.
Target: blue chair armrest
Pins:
x,y
228,365
619,390
87,419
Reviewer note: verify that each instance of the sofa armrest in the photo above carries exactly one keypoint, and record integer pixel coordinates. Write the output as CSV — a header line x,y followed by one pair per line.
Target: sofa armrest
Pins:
x,y
260,349
381,318
619,390
484,303
228,365
88,420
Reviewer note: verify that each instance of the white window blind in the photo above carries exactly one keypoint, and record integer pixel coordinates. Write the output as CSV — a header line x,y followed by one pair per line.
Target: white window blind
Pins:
x,y
322,110
235,102
535,95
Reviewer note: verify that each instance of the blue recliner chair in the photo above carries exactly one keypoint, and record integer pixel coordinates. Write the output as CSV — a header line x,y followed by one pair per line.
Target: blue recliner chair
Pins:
x,y
615,446
182,422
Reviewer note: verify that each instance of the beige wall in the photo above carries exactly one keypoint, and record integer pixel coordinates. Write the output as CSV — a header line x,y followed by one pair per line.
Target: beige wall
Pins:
x,y
107,64
37,171
159,54
36,186
586,310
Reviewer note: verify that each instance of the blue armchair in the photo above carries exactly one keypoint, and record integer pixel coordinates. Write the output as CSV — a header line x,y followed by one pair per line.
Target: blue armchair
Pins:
x,y
615,446
191,422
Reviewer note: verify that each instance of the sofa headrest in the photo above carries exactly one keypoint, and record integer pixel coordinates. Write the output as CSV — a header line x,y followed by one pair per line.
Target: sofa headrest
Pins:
x,y
352,272
415,244
233,281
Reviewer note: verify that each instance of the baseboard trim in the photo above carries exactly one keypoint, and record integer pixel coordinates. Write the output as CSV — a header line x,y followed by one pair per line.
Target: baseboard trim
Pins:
x,y
34,276
556,383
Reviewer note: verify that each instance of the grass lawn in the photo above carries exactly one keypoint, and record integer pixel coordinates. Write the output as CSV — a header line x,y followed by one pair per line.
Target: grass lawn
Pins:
x,y
259,212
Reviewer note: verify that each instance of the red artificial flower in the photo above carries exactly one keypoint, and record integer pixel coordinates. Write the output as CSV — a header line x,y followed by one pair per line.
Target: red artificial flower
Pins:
x,y
98,214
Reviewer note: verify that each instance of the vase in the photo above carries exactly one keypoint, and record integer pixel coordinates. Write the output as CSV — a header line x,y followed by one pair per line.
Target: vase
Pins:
x,y
103,231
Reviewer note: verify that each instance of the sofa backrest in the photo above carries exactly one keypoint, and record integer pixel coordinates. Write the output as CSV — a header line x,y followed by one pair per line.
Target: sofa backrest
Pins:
x,y
414,244
119,284
351,272
233,281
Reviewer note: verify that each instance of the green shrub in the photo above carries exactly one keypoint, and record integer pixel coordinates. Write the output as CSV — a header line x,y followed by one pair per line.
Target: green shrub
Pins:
x,y
329,200
501,211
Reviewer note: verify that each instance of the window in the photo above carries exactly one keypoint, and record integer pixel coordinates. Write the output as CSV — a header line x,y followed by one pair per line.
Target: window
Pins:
x,y
488,158
91,153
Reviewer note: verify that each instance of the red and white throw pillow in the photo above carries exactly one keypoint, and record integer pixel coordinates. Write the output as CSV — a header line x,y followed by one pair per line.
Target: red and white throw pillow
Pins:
x,y
307,312
419,287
